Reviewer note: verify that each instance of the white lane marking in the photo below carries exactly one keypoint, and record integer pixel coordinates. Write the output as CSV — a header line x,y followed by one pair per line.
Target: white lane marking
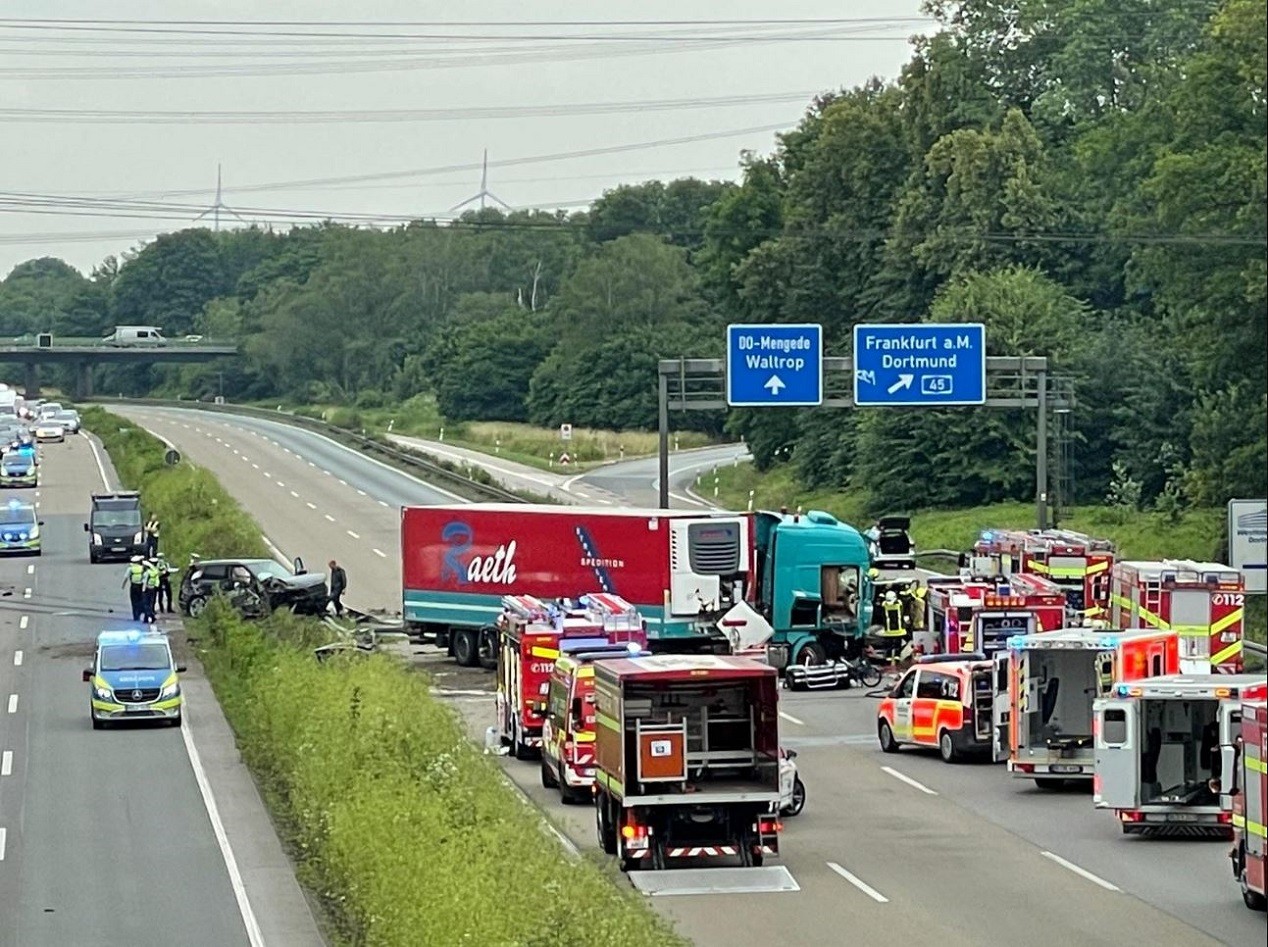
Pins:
x,y
311,506
269,475
246,459
13,703
295,495
352,534
329,517
96,455
859,883
327,473
311,464
344,482
791,719
904,778
1081,872
257,467
360,493
384,503
6,763
222,839
17,659
25,620
30,570
277,553
26,593
380,553
235,450
3,833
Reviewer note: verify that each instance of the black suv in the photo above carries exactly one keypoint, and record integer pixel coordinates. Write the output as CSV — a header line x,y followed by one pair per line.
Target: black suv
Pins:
x,y
254,587
115,528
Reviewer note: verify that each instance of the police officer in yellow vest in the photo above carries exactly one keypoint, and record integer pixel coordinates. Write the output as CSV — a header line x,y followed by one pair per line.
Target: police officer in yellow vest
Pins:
x,y
152,536
150,586
134,581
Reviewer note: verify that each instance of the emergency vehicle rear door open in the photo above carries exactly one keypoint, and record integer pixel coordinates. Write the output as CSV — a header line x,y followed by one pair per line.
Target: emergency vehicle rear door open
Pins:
x,y
1117,746
1001,743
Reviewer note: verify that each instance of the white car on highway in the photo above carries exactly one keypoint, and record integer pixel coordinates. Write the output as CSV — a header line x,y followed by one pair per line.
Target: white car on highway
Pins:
x,y
47,429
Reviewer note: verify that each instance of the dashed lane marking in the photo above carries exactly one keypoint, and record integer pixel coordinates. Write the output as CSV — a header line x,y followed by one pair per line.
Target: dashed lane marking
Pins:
x,y
859,883
6,763
904,778
24,621
26,593
352,534
295,495
1081,872
329,517
380,553
311,506
13,703
17,659
30,569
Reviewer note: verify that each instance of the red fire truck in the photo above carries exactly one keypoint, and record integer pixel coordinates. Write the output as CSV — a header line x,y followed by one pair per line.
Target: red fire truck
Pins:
x,y
529,635
1246,762
1076,562
1202,602
973,614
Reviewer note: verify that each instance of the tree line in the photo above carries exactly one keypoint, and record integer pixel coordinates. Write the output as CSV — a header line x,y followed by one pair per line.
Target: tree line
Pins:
x,y
1085,177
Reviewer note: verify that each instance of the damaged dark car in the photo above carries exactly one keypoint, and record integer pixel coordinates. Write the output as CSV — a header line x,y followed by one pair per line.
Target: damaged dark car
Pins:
x,y
255,587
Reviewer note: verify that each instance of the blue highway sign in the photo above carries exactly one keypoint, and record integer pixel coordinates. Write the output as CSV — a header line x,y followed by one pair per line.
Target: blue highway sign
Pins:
x,y
921,365
774,366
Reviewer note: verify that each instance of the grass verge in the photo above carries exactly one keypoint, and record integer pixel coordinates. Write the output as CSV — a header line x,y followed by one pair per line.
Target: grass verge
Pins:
x,y
524,443
406,832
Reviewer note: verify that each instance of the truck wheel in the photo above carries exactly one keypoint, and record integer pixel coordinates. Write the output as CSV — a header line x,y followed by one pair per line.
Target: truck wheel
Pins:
x,y
888,743
946,748
1253,899
521,749
1049,783
659,861
465,648
489,648
603,825
810,655
548,777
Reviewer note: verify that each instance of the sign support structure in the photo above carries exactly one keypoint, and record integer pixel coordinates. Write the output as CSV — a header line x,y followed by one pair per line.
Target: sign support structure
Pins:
x,y
1248,542
700,384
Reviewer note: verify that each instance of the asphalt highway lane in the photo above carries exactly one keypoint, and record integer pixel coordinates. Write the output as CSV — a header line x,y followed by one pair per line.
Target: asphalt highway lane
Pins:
x,y
104,838
876,859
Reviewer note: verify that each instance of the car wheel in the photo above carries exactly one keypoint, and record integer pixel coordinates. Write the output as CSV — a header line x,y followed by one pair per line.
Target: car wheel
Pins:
x,y
176,721
888,743
548,777
197,605
798,797
946,748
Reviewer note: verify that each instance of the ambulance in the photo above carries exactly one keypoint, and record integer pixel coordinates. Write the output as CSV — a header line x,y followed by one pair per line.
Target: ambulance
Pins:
x,y
1158,759
568,731
529,636
1202,602
1075,561
944,702
1045,688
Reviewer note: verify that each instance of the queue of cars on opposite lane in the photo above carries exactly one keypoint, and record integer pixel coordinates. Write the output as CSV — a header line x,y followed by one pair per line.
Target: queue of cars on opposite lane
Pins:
x,y
19,470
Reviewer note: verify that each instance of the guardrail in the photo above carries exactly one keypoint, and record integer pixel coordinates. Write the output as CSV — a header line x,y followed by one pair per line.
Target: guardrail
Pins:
x,y
431,470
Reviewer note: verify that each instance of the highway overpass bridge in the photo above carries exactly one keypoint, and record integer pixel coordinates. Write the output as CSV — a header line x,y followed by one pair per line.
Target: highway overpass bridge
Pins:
x,y
85,354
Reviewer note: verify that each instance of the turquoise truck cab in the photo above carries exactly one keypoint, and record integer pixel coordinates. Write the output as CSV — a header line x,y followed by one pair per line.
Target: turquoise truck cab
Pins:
x,y
815,589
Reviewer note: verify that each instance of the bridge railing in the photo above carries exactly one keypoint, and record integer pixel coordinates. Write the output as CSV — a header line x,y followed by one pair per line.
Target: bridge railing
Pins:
x,y
84,341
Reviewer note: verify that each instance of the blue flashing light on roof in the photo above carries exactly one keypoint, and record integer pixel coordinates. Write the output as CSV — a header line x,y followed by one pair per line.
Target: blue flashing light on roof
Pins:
x,y
15,504
987,535
1108,641
1016,642
1122,690
633,648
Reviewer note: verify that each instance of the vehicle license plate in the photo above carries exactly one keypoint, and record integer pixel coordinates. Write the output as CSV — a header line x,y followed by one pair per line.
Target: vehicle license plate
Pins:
x,y
1067,769
1181,817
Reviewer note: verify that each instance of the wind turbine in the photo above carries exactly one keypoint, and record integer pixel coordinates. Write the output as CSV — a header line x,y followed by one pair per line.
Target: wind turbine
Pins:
x,y
220,205
484,189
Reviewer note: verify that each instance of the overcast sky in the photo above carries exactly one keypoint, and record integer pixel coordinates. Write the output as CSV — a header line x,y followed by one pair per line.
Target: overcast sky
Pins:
x,y
446,81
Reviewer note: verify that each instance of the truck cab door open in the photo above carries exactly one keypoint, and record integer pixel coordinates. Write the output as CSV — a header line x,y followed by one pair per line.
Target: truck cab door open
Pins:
x,y
1001,715
1117,745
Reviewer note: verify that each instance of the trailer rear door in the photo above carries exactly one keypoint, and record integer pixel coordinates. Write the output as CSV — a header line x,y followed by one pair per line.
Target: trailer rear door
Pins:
x,y
1117,746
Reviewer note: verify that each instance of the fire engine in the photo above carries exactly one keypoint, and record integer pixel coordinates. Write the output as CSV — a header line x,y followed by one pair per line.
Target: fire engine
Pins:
x,y
529,634
1203,602
1075,561
1158,763
975,614
1045,687
1246,798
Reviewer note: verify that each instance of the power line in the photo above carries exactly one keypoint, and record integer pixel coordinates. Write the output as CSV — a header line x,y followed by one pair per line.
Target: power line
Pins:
x,y
181,117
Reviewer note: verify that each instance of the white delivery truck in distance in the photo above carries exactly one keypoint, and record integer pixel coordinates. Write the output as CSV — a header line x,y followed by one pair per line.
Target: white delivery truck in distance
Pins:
x,y
123,336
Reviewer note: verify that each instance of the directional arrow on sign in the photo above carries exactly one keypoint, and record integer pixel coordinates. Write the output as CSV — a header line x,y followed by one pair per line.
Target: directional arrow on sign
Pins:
x,y
774,384
904,381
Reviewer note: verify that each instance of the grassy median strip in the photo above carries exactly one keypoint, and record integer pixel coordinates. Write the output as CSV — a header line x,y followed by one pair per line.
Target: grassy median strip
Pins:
x,y
404,829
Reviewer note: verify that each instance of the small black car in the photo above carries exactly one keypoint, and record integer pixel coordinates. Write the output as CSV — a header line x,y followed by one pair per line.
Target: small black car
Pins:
x,y
255,587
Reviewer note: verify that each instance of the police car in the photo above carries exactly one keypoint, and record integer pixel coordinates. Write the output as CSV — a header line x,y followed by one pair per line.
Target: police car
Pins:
x,y
19,529
134,677
17,469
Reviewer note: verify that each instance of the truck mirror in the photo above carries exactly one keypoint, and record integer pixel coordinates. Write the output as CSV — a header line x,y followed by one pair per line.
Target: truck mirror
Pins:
x,y
578,712
299,566
87,675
